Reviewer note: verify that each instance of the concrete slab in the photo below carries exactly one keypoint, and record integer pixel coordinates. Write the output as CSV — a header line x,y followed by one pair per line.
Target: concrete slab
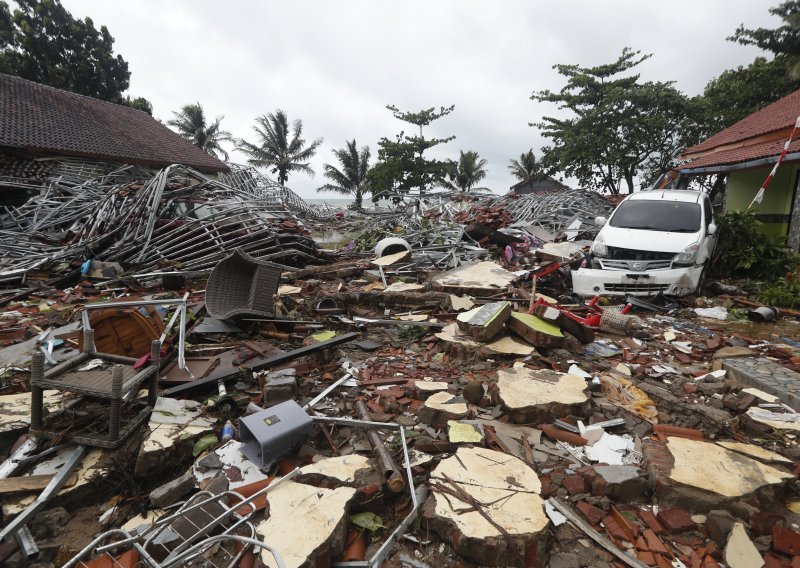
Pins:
x,y
507,491
441,407
504,344
15,409
343,469
766,375
173,428
477,276
537,396
303,521
706,475
756,452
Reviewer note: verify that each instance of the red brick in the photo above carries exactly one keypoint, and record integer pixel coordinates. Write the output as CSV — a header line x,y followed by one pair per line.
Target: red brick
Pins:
x,y
772,561
592,513
709,562
786,540
662,562
613,528
649,518
667,430
653,542
646,557
675,520
575,484
689,388
763,522
631,529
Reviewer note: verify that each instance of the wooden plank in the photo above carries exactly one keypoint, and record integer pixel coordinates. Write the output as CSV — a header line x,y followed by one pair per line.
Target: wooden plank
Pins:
x,y
24,483
29,483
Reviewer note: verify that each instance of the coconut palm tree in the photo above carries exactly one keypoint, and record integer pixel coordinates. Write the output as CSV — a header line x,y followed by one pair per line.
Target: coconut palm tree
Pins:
x,y
190,123
469,170
351,179
280,147
527,168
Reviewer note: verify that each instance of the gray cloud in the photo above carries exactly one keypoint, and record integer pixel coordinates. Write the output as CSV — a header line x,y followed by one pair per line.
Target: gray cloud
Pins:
x,y
337,65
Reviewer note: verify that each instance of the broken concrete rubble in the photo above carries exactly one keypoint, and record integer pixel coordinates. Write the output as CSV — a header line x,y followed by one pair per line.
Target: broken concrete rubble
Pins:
x,y
533,397
508,522
715,475
316,513
633,420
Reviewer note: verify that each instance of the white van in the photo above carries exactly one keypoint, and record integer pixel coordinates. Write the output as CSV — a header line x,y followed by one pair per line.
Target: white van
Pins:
x,y
655,241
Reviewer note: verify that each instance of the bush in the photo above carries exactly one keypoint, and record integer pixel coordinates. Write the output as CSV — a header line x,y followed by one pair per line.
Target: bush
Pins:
x,y
783,292
742,250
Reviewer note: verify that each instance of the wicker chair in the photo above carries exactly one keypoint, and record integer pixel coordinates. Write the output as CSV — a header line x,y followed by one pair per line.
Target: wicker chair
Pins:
x,y
241,285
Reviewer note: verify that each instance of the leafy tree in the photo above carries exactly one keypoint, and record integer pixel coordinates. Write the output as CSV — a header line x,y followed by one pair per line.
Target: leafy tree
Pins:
x,y
739,92
621,128
279,147
351,179
402,165
191,124
469,170
527,168
42,42
783,41
139,103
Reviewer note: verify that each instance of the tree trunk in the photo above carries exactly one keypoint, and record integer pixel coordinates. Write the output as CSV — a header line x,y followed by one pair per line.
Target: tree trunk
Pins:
x,y
629,181
358,200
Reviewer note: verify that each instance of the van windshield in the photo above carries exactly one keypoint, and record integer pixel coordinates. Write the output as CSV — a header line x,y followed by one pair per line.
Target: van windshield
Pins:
x,y
675,216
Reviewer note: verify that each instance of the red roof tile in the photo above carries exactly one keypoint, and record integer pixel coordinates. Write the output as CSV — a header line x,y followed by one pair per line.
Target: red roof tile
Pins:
x,y
779,115
743,154
41,118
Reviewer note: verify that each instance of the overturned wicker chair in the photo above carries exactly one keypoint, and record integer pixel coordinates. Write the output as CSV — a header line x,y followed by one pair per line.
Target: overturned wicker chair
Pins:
x,y
241,285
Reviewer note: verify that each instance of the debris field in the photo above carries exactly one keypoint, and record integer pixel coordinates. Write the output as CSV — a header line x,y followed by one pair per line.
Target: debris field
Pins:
x,y
189,378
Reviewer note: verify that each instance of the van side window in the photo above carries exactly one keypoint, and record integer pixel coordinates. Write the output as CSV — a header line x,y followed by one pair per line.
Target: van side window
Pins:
x,y
708,212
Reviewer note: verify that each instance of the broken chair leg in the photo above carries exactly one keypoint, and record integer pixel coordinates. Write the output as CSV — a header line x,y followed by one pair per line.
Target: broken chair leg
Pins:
x,y
392,473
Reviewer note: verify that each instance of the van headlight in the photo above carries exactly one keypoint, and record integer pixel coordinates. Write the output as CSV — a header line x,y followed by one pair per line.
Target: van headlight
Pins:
x,y
688,255
599,247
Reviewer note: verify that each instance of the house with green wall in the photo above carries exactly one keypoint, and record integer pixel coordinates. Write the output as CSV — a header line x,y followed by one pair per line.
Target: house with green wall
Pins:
x,y
745,154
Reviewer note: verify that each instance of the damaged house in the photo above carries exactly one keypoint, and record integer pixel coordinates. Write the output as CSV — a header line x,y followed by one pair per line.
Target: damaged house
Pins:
x,y
82,179
746,152
47,132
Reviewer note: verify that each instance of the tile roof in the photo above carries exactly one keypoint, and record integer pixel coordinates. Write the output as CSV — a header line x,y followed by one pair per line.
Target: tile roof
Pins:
x,y
41,118
743,154
779,115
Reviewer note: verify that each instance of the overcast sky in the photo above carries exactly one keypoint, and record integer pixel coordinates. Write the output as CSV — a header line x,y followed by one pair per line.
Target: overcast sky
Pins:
x,y
336,65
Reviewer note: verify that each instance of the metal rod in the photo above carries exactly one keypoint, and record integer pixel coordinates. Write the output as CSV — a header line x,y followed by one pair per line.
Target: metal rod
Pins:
x,y
392,475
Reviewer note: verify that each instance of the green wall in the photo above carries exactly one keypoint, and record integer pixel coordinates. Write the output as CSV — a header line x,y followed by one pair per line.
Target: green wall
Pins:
x,y
743,186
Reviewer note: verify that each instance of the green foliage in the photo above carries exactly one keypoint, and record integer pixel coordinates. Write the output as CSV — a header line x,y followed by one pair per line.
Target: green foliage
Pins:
x,y
367,520
279,147
783,292
204,443
139,103
527,168
621,128
783,40
743,250
402,165
191,124
42,42
468,171
351,179
736,93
